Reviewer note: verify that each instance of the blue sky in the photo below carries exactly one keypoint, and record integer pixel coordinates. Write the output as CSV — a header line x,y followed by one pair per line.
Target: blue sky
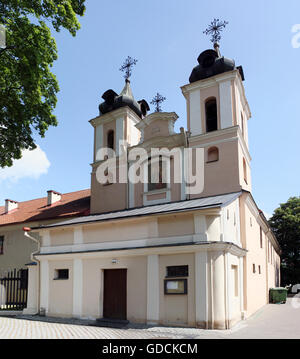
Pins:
x,y
166,37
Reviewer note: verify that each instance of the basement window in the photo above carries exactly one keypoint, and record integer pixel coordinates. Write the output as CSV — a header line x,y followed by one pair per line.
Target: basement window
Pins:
x,y
61,274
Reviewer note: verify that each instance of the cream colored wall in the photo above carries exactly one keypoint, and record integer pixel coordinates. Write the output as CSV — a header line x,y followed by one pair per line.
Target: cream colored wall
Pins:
x,y
256,290
121,231
136,286
156,128
106,198
136,229
231,223
221,176
233,295
60,291
61,237
175,225
17,248
177,309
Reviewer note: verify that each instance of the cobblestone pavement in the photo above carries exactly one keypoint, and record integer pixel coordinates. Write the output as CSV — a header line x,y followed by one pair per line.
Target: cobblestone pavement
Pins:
x,y
13,328
272,321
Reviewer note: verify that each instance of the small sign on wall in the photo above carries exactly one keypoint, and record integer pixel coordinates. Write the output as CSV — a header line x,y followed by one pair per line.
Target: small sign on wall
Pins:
x,y
175,286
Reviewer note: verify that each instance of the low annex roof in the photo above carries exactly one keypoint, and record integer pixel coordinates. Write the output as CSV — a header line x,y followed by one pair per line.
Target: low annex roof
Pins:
x,y
70,205
200,203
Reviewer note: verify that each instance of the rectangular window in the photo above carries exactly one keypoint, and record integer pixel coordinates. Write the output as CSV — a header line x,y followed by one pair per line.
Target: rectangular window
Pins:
x,y
61,274
1,244
175,286
261,238
259,270
177,271
253,268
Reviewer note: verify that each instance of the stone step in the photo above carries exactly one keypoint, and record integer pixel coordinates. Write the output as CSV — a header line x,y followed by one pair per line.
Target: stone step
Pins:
x,y
111,323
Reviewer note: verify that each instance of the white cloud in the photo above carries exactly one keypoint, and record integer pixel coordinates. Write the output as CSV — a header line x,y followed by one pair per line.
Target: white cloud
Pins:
x,y
33,164
267,215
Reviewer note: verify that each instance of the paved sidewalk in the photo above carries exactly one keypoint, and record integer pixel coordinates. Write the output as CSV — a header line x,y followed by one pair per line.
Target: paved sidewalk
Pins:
x,y
274,321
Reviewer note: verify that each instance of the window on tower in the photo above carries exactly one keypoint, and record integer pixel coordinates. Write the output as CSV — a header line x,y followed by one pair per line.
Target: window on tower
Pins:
x,y
160,184
212,154
111,139
211,115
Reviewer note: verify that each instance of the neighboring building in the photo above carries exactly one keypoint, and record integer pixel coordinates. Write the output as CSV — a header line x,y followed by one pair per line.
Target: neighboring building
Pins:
x,y
15,249
152,253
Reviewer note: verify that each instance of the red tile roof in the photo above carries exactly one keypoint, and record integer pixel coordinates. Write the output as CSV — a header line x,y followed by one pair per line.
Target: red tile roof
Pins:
x,y
71,205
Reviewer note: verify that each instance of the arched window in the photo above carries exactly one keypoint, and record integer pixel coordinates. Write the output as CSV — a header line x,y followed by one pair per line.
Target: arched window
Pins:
x,y
211,115
156,185
212,154
111,139
245,170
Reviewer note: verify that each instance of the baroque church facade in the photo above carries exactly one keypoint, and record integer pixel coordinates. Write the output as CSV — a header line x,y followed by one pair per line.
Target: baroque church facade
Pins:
x,y
153,252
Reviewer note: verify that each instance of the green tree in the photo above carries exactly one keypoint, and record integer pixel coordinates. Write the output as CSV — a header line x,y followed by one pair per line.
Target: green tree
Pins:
x,y
27,86
285,223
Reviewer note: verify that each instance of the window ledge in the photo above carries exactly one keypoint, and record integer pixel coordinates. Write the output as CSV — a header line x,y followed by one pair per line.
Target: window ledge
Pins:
x,y
60,278
212,161
157,191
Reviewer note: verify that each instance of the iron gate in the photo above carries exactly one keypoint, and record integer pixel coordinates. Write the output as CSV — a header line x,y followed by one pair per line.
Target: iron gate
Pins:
x,y
13,290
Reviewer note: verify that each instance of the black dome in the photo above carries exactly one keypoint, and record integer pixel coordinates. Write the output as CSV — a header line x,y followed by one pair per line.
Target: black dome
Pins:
x,y
112,101
211,64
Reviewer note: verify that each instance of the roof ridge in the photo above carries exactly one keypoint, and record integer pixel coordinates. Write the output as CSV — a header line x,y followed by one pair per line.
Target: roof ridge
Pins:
x,y
39,198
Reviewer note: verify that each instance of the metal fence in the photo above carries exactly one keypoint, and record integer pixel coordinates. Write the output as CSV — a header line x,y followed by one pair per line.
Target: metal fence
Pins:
x,y
13,290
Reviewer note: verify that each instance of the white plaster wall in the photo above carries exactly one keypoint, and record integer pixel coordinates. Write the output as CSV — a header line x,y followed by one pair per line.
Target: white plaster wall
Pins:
x,y
195,113
119,132
99,140
225,104
231,223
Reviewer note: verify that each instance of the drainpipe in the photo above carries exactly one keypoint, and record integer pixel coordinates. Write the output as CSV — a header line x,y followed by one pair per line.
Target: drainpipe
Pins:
x,y
33,259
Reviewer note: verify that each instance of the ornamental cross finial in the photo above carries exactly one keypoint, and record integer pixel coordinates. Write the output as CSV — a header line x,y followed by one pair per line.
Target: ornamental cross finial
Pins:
x,y
214,29
157,100
127,66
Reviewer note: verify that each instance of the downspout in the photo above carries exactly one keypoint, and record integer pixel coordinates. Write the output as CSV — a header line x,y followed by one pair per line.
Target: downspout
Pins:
x,y
32,257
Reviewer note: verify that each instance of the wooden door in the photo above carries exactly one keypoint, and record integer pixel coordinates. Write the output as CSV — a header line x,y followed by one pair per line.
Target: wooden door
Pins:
x,y
115,294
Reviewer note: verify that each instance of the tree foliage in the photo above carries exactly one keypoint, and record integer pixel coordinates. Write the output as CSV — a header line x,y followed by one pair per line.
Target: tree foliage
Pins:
x,y
285,223
27,86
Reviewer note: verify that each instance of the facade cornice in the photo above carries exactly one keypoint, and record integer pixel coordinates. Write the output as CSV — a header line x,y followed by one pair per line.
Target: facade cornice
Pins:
x,y
213,210
114,115
225,247
234,131
230,75
211,81
209,135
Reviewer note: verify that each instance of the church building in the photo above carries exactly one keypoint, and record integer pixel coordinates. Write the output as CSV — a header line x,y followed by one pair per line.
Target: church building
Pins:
x,y
152,252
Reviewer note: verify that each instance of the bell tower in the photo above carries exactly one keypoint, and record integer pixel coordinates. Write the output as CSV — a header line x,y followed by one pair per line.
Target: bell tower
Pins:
x,y
217,117
117,120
